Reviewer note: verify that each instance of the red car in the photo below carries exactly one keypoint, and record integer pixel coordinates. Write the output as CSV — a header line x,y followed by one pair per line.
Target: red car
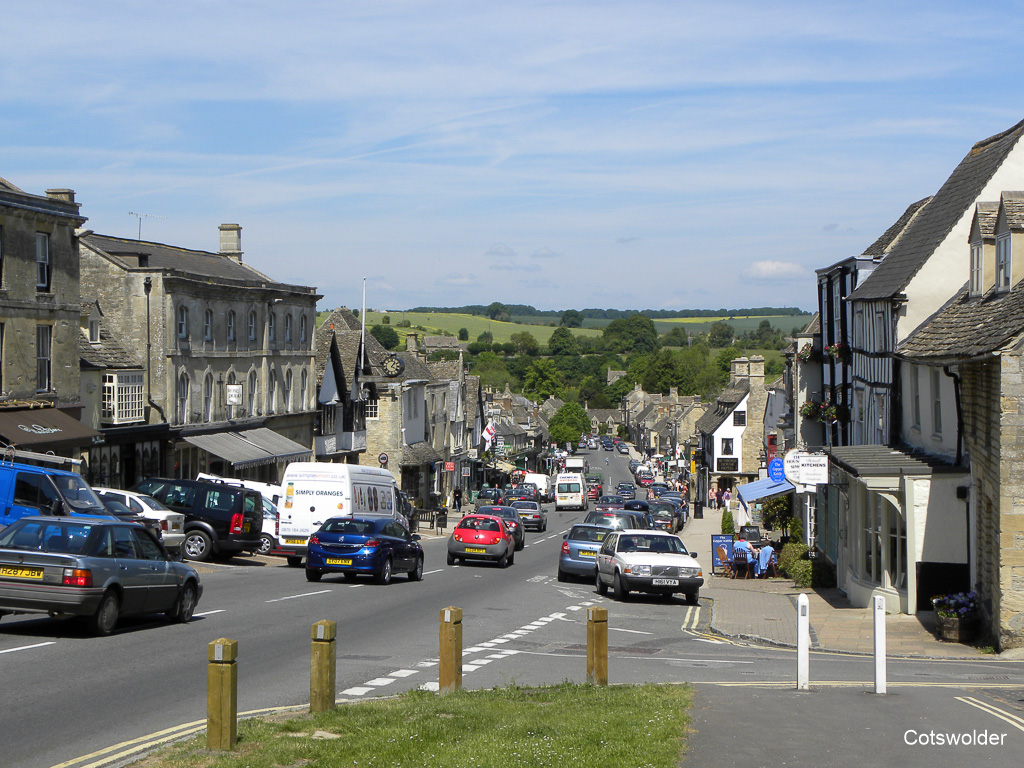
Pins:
x,y
481,537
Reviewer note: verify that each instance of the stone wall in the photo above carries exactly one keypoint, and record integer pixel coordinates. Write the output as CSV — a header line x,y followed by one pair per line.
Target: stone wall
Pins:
x,y
757,402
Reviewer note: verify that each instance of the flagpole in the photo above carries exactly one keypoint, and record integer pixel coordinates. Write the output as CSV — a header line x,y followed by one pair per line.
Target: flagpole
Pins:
x,y
362,316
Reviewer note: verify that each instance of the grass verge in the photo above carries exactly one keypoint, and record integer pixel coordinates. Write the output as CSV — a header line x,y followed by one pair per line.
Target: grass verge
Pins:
x,y
564,725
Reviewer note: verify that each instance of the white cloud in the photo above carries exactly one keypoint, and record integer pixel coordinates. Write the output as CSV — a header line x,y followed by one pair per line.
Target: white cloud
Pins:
x,y
776,270
545,253
501,251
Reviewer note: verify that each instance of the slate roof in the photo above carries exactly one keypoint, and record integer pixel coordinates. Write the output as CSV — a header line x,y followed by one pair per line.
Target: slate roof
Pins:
x,y
472,398
603,414
441,342
1013,209
885,242
934,221
724,404
987,213
337,323
445,370
160,256
419,453
109,353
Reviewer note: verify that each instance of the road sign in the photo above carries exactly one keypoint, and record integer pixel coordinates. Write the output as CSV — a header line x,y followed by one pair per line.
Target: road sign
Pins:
x,y
465,471
776,470
383,459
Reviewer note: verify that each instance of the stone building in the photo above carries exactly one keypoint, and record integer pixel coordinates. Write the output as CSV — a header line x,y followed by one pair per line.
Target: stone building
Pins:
x,y
228,352
345,388
40,402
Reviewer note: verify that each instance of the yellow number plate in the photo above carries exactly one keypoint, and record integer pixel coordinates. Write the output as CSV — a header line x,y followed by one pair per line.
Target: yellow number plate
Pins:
x,y
586,553
294,541
338,561
476,551
21,573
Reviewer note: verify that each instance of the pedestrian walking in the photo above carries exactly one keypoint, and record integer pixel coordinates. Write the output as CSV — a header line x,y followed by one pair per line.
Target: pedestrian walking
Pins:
x,y
457,498
726,497
712,498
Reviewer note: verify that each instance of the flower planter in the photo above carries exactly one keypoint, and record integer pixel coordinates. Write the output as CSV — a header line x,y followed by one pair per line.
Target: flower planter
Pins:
x,y
956,629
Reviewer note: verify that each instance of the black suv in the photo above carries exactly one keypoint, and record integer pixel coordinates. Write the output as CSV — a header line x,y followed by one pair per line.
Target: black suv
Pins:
x,y
220,520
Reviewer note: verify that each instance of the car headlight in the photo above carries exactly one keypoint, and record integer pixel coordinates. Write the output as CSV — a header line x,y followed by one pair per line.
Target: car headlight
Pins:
x,y
639,570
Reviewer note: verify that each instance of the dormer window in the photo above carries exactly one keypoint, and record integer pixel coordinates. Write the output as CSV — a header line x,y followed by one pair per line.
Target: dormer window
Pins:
x,y
1003,262
977,254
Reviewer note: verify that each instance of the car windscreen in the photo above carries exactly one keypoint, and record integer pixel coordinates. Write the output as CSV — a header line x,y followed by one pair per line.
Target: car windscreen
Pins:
x,y
657,544
530,505
78,495
51,535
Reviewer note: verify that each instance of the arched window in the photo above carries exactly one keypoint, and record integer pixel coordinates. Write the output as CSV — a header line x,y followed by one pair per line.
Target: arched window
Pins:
x,y
303,383
182,399
288,329
208,397
208,325
230,409
231,325
271,326
253,393
252,325
288,391
302,329
182,322
271,393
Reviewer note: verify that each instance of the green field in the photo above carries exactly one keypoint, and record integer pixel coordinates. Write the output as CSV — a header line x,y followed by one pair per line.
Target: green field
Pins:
x,y
740,323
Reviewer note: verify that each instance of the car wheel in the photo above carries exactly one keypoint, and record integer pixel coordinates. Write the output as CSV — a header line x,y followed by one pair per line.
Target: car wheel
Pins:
x,y
294,561
105,619
562,575
451,559
544,527
619,589
197,546
416,574
313,575
521,544
267,543
693,598
185,605
384,575
602,588
512,558
503,560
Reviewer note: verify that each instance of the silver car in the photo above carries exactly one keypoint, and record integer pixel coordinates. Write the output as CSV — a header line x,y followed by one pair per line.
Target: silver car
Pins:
x,y
532,514
172,524
93,567
645,560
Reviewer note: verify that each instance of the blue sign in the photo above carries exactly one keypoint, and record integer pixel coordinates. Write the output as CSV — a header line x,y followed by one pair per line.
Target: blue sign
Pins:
x,y
776,471
723,542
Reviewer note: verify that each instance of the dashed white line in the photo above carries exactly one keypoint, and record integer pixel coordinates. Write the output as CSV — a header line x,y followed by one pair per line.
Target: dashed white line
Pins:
x,y
402,673
358,691
379,681
294,597
208,613
631,631
29,647
427,573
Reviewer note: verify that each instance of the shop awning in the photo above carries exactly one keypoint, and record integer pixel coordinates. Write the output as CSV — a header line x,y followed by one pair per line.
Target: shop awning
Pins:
x,y
762,489
41,428
250,447
504,466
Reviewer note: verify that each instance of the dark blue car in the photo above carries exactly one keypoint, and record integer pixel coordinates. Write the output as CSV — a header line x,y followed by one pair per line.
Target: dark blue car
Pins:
x,y
374,546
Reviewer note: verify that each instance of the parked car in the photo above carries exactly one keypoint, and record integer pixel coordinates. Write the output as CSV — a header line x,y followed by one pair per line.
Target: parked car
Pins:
x,y
512,521
622,448
124,514
220,520
373,546
490,496
481,537
647,561
99,568
579,551
271,532
532,514
172,524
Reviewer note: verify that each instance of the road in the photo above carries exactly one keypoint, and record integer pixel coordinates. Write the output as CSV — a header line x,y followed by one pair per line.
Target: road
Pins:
x,y
67,695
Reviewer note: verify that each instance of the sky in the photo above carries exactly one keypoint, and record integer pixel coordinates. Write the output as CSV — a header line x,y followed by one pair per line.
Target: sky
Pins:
x,y
640,154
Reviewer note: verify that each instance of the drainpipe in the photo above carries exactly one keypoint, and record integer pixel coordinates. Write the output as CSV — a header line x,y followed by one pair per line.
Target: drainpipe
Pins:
x,y
959,414
147,285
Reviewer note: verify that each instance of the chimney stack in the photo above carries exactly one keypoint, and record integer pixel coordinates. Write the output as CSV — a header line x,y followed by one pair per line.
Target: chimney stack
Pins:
x,y
231,241
741,370
64,195
756,372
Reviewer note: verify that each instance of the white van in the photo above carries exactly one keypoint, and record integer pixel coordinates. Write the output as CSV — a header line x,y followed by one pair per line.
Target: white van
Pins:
x,y
570,492
312,492
543,483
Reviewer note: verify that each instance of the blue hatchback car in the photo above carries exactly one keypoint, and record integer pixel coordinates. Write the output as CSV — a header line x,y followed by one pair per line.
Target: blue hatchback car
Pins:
x,y
579,550
374,546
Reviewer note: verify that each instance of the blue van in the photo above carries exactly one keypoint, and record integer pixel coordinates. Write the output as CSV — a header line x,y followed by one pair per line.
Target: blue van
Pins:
x,y
27,489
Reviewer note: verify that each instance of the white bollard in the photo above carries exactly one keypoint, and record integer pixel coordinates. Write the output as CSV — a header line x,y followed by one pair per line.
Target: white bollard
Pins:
x,y
803,642
879,608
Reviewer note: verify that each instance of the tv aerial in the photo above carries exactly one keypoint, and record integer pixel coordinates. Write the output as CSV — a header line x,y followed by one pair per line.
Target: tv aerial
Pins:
x,y
141,216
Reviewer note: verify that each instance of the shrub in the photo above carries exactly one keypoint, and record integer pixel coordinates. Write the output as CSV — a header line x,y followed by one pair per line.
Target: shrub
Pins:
x,y
404,324
801,572
728,525
796,529
790,553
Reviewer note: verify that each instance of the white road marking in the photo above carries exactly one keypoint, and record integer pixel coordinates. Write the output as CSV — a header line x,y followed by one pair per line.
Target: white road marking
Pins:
x,y
359,691
427,573
631,631
402,673
575,607
209,613
474,649
470,667
293,597
378,681
706,640
434,686
29,647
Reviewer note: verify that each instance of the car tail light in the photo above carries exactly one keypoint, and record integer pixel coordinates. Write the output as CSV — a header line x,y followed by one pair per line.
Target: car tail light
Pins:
x,y
237,521
277,526
163,525
457,536
372,543
314,539
77,577
565,547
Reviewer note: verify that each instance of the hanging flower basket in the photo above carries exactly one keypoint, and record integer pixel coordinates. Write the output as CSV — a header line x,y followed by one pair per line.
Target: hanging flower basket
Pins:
x,y
808,353
956,617
811,410
838,351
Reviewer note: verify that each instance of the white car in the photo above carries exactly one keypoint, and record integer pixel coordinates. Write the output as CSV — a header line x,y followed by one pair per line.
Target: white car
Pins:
x,y
644,560
172,524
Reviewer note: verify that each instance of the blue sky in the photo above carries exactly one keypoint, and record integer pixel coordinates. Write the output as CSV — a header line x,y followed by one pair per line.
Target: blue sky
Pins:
x,y
560,154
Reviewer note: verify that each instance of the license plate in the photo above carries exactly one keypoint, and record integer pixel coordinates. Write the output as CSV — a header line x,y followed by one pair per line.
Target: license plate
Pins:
x,y
294,541
585,553
665,582
476,550
21,573
338,561
245,528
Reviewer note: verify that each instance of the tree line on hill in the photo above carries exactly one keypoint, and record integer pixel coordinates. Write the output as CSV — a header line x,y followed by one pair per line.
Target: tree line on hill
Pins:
x,y
575,368
569,317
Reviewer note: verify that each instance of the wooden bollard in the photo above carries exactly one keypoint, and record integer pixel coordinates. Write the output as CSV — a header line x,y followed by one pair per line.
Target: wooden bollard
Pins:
x,y
450,669
222,694
323,665
597,646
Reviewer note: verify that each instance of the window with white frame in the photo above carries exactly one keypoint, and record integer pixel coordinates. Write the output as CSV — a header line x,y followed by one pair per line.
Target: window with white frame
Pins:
x,y
43,268
182,322
44,342
252,325
373,408
182,398
872,541
231,325
327,419
123,401
915,397
858,328
288,381
208,325
936,401
288,329
208,397
253,392
1003,262
976,268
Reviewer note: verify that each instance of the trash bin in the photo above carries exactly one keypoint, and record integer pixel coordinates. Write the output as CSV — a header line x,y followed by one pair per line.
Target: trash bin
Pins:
x,y
698,510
